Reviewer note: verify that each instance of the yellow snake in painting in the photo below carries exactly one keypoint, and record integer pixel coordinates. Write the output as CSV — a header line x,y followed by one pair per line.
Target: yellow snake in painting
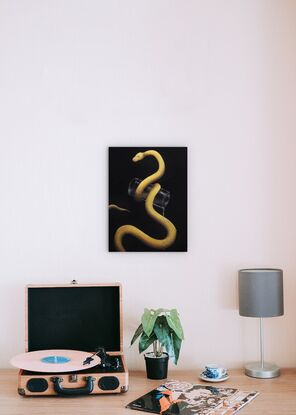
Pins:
x,y
133,230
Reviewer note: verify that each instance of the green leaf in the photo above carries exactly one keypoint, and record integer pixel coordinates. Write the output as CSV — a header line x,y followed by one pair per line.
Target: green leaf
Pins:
x,y
163,334
137,333
177,346
160,310
148,319
174,323
146,341
170,348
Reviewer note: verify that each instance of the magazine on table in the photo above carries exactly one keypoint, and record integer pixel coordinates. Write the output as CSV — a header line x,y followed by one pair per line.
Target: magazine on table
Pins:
x,y
184,398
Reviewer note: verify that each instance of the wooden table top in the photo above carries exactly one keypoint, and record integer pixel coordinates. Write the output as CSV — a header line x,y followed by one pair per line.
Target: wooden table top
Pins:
x,y
277,396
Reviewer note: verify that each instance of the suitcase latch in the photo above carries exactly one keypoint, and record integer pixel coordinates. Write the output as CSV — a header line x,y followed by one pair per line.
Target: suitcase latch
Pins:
x,y
73,378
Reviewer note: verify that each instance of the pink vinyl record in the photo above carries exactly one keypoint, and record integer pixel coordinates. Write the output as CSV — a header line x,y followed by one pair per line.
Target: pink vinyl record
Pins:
x,y
55,361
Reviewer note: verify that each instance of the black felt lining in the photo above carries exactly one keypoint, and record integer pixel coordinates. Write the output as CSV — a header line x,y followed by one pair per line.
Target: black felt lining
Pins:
x,y
77,318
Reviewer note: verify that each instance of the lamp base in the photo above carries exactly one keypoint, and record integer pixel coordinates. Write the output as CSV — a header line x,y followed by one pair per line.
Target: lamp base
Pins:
x,y
255,370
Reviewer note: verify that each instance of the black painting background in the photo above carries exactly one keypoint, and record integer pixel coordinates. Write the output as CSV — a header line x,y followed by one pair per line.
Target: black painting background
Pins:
x,y
122,170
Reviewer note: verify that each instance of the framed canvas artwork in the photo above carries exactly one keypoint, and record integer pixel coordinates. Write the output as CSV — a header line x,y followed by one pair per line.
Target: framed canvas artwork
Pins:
x,y
148,199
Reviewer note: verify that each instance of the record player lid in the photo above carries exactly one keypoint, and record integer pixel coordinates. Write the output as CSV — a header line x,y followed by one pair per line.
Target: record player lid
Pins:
x,y
77,317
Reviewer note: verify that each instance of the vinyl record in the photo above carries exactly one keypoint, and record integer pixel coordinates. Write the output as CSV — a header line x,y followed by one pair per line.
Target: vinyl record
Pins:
x,y
54,361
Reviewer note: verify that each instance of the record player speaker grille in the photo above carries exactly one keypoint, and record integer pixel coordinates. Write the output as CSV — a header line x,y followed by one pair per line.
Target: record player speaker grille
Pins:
x,y
37,385
108,383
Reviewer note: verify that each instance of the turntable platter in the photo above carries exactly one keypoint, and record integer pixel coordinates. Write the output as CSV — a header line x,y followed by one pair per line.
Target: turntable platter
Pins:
x,y
54,361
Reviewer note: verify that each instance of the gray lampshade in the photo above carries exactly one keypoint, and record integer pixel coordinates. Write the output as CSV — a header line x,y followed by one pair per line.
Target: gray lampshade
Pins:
x,y
261,292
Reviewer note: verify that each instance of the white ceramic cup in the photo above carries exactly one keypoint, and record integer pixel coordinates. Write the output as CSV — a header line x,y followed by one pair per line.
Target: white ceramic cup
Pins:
x,y
214,371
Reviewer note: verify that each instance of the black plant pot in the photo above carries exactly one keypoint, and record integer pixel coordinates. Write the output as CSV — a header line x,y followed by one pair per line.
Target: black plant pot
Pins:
x,y
156,367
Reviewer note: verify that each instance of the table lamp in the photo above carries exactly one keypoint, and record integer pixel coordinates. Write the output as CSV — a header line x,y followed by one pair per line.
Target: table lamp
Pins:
x,y
261,295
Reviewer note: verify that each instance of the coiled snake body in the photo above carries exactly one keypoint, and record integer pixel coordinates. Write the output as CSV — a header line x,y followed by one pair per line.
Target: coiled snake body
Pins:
x,y
133,230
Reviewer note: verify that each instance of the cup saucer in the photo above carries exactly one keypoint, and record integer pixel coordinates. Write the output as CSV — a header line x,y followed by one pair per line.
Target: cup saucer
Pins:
x,y
206,379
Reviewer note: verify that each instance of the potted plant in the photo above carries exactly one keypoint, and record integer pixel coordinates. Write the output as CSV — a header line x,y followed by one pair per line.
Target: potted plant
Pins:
x,y
162,329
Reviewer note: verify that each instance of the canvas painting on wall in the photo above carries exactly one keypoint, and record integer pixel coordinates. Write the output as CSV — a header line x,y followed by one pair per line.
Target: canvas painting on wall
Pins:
x,y
148,199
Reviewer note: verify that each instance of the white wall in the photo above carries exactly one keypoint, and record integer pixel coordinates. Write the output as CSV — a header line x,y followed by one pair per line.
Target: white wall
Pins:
x,y
215,75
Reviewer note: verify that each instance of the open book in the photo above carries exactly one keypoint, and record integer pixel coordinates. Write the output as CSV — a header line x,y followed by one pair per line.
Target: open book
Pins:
x,y
174,397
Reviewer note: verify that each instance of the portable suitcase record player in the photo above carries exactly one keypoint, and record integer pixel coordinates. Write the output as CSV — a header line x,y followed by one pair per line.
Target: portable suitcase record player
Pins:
x,y
73,341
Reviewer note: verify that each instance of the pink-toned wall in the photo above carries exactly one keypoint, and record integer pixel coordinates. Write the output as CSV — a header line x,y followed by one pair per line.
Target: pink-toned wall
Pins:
x,y
216,75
